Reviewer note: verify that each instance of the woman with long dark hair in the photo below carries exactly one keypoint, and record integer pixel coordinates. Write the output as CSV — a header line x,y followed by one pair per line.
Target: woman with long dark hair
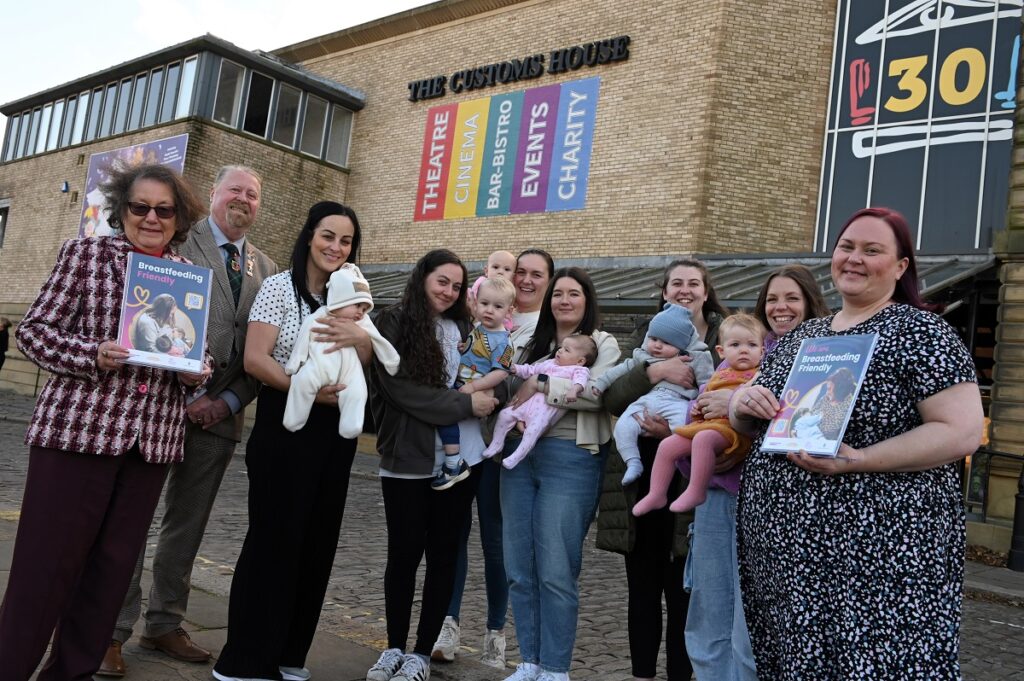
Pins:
x,y
155,322
534,268
426,328
549,499
298,481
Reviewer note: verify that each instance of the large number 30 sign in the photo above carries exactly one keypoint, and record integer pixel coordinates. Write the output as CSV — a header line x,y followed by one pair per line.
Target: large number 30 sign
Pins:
x,y
911,83
921,117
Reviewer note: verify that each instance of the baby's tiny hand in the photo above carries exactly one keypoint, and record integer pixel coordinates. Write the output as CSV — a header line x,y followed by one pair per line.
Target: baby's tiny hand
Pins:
x,y
596,391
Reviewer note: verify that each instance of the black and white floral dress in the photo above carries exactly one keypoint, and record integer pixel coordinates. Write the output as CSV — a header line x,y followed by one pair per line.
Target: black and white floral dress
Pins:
x,y
859,576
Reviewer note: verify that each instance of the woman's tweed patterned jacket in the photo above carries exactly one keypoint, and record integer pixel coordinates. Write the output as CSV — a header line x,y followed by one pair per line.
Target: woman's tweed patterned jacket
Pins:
x,y
83,409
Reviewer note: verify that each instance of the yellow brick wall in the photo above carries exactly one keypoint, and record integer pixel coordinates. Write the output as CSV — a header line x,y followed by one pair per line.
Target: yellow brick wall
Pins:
x,y
771,81
708,139
41,218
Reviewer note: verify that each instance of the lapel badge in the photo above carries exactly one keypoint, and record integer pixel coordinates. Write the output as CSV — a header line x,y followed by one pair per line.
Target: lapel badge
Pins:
x,y
250,264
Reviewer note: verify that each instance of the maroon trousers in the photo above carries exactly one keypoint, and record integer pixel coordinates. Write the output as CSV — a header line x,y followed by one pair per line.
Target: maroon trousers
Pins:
x,y
84,520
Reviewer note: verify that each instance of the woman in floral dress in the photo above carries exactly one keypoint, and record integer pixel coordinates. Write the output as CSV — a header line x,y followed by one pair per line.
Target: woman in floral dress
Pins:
x,y
852,568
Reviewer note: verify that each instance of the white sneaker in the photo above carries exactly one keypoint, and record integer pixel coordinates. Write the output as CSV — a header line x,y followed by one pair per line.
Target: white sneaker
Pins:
x,y
494,649
447,643
387,665
220,677
294,673
525,671
553,676
413,669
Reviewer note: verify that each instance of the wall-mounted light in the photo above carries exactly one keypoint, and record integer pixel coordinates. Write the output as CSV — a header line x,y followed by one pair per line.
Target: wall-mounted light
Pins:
x,y
64,187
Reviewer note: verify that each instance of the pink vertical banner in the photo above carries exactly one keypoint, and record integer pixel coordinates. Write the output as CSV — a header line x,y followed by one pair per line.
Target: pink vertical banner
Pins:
x,y
538,122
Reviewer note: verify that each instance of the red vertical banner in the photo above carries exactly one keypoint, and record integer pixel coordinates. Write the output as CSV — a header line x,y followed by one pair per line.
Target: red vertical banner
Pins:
x,y
435,162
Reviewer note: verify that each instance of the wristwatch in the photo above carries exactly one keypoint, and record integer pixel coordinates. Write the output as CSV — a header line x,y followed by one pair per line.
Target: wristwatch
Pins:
x,y
542,378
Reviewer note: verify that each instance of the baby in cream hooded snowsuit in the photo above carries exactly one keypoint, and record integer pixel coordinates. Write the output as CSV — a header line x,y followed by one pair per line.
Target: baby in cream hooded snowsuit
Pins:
x,y
312,367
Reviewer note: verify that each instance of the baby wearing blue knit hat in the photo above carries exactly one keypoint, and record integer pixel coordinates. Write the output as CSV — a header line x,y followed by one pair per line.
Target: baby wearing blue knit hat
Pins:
x,y
670,334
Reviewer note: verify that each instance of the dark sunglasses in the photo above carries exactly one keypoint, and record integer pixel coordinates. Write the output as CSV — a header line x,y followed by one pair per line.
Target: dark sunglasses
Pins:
x,y
142,210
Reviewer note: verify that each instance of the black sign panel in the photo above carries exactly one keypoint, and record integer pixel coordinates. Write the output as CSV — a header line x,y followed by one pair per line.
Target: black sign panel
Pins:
x,y
921,118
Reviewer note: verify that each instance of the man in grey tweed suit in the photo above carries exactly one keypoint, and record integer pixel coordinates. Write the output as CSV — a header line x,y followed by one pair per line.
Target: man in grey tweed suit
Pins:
x,y
214,420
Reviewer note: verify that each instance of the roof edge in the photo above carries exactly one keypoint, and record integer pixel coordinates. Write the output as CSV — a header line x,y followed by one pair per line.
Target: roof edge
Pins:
x,y
296,74
401,23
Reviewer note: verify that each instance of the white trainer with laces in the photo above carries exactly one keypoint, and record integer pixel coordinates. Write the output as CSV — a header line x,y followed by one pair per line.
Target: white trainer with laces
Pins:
x,y
494,649
553,676
413,669
390,661
525,671
447,643
294,673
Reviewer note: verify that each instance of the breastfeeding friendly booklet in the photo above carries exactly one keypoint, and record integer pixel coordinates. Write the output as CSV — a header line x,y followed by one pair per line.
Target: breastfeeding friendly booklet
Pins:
x,y
820,394
164,313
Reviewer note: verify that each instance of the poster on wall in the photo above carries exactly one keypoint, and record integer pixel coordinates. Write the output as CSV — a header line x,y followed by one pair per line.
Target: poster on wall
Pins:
x,y
921,118
520,152
169,151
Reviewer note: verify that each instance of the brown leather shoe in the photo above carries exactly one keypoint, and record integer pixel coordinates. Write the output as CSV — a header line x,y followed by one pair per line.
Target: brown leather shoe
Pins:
x,y
113,663
178,645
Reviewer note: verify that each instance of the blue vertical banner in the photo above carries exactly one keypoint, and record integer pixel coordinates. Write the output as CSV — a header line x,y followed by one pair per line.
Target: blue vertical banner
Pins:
x,y
574,136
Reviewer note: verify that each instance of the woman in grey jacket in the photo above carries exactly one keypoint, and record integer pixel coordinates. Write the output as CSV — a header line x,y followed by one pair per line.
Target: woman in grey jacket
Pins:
x,y
426,328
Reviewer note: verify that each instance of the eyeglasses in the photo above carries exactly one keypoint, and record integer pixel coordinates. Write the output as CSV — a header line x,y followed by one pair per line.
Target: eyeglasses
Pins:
x,y
142,210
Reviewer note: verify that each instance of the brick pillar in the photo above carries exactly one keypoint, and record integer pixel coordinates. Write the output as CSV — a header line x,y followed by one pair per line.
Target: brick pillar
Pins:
x,y
1007,409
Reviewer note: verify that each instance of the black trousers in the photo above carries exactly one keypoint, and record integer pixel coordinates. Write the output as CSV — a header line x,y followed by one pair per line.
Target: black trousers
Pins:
x,y
652,573
298,483
421,521
83,522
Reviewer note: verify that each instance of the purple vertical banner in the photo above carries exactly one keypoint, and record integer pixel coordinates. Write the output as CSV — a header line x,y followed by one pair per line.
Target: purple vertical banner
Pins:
x,y
570,167
538,121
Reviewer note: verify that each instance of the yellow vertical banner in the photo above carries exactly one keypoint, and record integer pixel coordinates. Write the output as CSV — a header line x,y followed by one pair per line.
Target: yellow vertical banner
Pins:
x,y
468,149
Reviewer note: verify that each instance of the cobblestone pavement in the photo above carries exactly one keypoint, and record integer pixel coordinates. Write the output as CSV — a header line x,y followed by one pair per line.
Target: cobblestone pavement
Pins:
x,y
992,633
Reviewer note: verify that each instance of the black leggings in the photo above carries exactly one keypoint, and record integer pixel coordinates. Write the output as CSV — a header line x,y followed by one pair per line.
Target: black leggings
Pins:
x,y
420,521
652,573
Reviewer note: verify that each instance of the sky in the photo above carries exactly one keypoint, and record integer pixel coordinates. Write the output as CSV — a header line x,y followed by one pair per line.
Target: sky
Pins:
x,y
49,42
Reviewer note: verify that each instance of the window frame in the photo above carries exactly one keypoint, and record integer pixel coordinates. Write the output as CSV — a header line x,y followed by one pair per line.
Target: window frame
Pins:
x,y
237,103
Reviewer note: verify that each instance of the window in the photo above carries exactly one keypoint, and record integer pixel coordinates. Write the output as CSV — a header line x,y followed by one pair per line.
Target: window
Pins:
x,y
257,104
156,79
188,81
229,92
313,126
95,108
139,96
26,123
80,115
287,115
33,128
170,92
54,136
44,128
69,121
12,137
108,110
124,98
5,207
341,133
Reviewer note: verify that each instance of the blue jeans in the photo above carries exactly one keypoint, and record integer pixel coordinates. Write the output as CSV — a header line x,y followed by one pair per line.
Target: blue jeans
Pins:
x,y
716,630
547,502
485,479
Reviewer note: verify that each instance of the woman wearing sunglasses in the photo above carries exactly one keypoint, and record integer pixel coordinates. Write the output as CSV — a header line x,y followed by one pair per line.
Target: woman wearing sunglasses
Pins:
x,y
101,438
